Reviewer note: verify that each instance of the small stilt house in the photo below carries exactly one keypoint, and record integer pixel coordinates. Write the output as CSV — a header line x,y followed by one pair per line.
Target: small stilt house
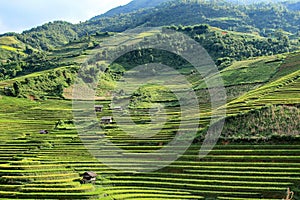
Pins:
x,y
89,177
98,108
107,120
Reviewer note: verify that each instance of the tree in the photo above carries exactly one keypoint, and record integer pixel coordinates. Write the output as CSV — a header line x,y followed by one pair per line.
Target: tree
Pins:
x,y
59,90
17,88
28,50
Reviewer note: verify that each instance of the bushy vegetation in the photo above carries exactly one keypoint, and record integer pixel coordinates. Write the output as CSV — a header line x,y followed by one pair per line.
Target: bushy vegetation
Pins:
x,y
11,49
48,36
225,47
33,60
130,7
279,21
43,85
33,63
274,121
243,18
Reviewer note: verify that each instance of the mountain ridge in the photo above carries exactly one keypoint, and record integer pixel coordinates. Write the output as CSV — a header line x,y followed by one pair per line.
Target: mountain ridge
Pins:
x,y
130,7
221,14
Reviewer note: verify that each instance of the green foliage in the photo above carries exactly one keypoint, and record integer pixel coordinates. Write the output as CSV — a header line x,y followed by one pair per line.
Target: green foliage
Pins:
x,y
47,166
49,35
264,123
106,84
53,173
244,18
35,61
147,95
51,83
132,6
256,72
11,49
64,124
225,47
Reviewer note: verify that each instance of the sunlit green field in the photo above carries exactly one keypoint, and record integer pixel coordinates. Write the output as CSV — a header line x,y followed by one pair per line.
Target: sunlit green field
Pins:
x,y
48,166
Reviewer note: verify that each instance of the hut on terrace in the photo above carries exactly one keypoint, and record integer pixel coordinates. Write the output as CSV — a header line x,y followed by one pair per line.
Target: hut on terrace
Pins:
x,y
107,120
99,108
89,177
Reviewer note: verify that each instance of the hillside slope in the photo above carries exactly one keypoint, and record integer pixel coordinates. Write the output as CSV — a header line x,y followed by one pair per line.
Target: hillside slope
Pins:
x,y
243,165
131,7
257,156
279,20
245,18
219,44
11,48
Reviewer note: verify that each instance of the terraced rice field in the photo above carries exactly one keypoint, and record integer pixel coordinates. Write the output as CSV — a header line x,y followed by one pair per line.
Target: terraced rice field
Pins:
x,y
48,166
228,172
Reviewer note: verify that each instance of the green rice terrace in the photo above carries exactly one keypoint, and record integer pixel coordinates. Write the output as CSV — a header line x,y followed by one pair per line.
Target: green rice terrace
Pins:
x,y
44,155
254,159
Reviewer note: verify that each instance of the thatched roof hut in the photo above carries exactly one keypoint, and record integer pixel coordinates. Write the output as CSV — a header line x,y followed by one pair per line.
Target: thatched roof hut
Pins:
x,y
107,120
99,108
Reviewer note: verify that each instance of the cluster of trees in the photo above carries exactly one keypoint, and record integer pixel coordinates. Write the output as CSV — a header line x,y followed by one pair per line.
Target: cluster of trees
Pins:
x,y
243,18
51,83
264,124
223,46
34,60
37,61
269,36
49,35
227,16
132,6
215,13
227,46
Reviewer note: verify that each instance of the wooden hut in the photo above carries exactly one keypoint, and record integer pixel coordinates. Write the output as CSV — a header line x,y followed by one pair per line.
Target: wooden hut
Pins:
x,y
89,177
107,120
99,108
